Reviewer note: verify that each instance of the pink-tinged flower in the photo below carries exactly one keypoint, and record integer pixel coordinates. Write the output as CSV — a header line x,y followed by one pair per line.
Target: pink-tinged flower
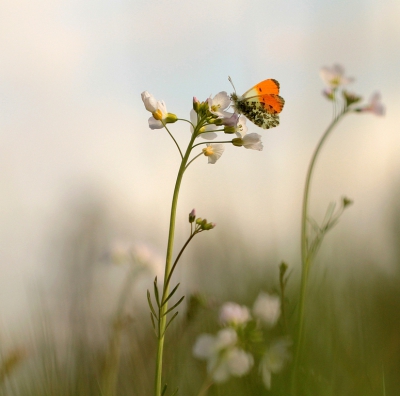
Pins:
x,y
375,105
223,356
274,360
204,134
213,151
234,123
230,119
267,308
334,77
158,109
219,103
234,314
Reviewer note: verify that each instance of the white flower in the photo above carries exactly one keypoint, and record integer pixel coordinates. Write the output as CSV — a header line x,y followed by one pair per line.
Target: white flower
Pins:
x,y
334,77
251,141
150,102
219,103
234,361
209,127
213,151
157,108
223,357
268,308
234,314
375,105
274,360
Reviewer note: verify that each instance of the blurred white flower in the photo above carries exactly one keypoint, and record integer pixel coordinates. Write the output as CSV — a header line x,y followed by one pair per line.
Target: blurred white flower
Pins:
x,y
267,308
219,103
234,361
223,357
213,151
274,360
234,314
334,77
375,105
137,253
210,127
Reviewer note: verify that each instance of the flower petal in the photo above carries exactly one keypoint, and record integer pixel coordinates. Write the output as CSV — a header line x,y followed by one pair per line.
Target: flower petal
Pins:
x,y
217,151
267,308
204,346
252,141
155,124
150,102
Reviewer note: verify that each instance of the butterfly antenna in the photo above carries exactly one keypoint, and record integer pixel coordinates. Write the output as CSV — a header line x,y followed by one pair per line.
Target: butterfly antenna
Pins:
x,y
230,80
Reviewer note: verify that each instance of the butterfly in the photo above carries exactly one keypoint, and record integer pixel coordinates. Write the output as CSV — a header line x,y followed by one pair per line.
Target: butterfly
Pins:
x,y
260,104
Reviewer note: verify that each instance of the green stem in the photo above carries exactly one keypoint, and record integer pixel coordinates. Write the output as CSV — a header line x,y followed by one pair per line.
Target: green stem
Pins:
x,y
306,258
177,259
210,141
176,143
163,318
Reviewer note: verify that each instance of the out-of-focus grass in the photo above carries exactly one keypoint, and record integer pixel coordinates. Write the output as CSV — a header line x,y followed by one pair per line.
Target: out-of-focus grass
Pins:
x,y
352,333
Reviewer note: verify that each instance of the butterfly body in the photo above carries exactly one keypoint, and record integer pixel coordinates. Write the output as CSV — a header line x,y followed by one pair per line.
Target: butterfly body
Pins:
x,y
261,104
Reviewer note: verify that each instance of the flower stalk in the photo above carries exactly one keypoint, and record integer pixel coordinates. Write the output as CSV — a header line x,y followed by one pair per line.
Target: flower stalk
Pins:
x,y
168,264
307,255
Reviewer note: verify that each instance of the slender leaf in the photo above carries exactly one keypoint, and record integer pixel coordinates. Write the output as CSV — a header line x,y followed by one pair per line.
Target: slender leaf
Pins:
x,y
174,306
156,292
151,305
152,320
166,327
171,294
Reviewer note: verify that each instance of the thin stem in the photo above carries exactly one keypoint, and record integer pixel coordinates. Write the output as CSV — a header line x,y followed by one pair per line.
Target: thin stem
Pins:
x,y
163,318
178,257
197,156
224,141
306,258
206,385
176,143
182,119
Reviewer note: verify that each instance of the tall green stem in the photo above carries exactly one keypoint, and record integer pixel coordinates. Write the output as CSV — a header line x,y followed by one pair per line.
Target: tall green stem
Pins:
x,y
163,317
306,258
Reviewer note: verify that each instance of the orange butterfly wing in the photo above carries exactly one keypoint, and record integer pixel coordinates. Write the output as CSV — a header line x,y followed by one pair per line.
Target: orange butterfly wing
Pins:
x,y
272,103
266,92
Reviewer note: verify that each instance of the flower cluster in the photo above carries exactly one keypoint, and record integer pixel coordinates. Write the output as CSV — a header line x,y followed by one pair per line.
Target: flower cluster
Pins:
x,y
207,118
335,79
241,341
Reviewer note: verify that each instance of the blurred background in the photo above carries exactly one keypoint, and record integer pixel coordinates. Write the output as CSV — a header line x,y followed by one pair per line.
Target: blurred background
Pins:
x,y
81,170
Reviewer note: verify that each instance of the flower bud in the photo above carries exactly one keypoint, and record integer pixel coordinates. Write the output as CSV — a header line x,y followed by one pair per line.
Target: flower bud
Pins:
x,y
350,98
203,107
192,216
283,268
208,226
199,220
346,202
237,142
171,118
196,104
230,129
329,93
